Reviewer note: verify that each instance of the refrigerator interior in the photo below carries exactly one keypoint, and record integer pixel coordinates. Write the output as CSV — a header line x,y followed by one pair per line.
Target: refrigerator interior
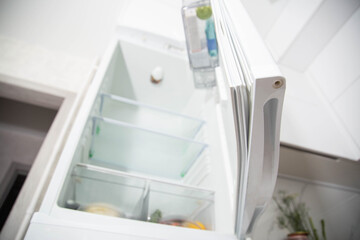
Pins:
x,y
154,152
192,162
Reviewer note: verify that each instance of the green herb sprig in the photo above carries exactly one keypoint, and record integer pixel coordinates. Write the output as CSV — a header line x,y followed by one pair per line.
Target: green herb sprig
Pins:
x,y
294,216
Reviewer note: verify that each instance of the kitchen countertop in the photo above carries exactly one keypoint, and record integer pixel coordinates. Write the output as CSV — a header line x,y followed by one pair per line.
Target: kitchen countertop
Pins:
x,y
42,68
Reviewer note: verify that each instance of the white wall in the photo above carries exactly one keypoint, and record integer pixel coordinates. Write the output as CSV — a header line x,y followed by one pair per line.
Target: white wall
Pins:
x,y
317,30
316,43
80,28
336,70
265,13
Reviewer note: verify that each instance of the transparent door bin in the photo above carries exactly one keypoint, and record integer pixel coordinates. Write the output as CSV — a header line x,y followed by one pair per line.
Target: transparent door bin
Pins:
x,y
150,117
125,147
112,193
200,34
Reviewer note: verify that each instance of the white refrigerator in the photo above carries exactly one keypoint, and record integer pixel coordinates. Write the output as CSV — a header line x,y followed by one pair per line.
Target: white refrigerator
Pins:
x,y
165,160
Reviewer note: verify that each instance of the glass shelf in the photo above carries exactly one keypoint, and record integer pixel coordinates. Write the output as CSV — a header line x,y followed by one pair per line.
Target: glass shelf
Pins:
x,y
109,192
129,148
148,116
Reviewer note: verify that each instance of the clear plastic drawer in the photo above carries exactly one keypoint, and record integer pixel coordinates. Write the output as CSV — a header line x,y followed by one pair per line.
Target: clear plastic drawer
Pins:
x,y
113,193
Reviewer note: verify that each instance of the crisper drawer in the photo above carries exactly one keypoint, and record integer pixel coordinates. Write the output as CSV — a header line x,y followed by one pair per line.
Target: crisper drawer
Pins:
x,y
113,193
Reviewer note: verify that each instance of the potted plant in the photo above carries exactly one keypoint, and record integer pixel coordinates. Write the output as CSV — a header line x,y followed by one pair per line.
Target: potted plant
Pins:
x,y
294,216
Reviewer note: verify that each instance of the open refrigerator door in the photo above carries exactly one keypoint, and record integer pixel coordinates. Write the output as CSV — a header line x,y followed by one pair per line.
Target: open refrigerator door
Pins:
x,y
165,157
259,100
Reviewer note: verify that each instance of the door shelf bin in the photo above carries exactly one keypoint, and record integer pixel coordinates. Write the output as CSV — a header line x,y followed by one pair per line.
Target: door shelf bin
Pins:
x,y
129,148
148,116
114,193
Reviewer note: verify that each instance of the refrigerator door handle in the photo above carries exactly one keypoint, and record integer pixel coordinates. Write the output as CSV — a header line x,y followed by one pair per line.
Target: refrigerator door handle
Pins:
x,y
264,146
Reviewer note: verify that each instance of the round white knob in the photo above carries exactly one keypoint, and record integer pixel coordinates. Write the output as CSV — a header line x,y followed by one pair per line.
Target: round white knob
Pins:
x,y
157,74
